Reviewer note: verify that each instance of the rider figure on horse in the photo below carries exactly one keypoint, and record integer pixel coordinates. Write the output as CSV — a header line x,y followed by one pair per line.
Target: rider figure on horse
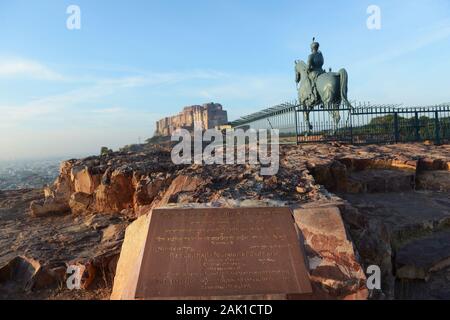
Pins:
x,y
315,68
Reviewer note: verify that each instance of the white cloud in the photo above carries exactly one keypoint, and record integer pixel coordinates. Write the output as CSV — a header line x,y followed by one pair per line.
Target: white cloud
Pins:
x,y
82,116
220,86
22,68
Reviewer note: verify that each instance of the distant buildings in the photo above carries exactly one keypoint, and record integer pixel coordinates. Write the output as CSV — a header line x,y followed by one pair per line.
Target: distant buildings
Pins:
x,y
210,115
15,175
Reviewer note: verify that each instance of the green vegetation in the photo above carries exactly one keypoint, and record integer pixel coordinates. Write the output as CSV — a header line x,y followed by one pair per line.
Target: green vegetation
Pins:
x,y
105,151
409,128
383,129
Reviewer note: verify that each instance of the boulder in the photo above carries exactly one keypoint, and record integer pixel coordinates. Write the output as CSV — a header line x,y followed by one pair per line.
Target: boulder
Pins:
x,y
181,184
26,274
129,264
431,164
381,180
116,191
434,180
80,203
20,270
50,206
333,176
418,259
83,181
334,263
147,189
63,187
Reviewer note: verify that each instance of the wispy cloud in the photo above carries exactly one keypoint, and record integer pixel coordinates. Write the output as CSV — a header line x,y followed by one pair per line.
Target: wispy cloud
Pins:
x,y
59,104
89,113
22,68
438,32
219,86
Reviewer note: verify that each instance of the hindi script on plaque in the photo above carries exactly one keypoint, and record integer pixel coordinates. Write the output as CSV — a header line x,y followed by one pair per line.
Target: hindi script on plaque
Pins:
x,y
217,252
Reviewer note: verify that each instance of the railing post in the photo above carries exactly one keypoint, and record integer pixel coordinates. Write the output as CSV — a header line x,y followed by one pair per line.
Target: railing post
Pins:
x,y
296,125
351,126
396,130
416,126
437,127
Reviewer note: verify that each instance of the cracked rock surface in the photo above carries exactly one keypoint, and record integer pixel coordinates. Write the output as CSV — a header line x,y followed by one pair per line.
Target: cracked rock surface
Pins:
x,y
370,192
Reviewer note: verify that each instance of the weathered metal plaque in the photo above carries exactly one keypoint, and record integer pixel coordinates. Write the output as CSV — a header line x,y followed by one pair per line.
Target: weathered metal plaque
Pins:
x,y
219,252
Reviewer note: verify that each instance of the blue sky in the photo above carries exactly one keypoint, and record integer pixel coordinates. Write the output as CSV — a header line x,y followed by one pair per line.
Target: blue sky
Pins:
x,y
67,93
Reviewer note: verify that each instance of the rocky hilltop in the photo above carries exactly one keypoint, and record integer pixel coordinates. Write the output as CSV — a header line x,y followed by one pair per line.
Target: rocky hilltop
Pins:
x,y
355,202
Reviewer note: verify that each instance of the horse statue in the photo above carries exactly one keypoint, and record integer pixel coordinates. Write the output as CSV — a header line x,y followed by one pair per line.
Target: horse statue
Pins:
x,y
326,89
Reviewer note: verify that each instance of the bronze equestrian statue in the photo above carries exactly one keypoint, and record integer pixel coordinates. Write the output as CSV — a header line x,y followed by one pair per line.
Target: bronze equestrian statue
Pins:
x,y
317,88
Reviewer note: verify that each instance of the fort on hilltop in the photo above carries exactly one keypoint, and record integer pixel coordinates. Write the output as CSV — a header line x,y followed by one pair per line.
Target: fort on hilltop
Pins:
x,y
210,115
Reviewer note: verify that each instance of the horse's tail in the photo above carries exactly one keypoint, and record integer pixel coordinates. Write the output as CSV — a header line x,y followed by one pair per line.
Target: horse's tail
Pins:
x,y
344,87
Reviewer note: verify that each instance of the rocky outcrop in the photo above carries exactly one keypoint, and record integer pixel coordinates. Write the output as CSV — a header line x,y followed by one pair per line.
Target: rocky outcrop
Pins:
x,y
81,203
420,258
148,188
334,264
84,180
373,242
133,182
405,235
57,196
35,253
112,183
380,180
63,187
116,191
182,185
126,277
48,206
21,270
106,193
434,180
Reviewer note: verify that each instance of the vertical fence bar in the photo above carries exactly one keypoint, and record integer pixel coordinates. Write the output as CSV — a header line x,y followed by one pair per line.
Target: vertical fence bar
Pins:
x,y
351,125
296,125
437,127
396,131
364,124
416,126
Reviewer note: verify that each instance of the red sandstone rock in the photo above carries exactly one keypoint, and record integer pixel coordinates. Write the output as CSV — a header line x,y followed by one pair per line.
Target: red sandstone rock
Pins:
x,y
147,189
41,208
117,194
148,183
179,185
434,180
335,266
83,181
20,270
126,277
81,203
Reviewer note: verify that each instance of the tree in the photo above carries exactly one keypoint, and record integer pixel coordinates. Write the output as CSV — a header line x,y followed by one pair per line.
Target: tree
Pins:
x,y
105,151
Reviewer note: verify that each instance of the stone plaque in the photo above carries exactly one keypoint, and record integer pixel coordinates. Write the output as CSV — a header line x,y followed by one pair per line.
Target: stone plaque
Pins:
x,y
221,252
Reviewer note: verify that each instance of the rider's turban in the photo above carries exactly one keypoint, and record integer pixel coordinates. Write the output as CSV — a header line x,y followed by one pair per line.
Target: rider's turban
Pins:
x,y
315,45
